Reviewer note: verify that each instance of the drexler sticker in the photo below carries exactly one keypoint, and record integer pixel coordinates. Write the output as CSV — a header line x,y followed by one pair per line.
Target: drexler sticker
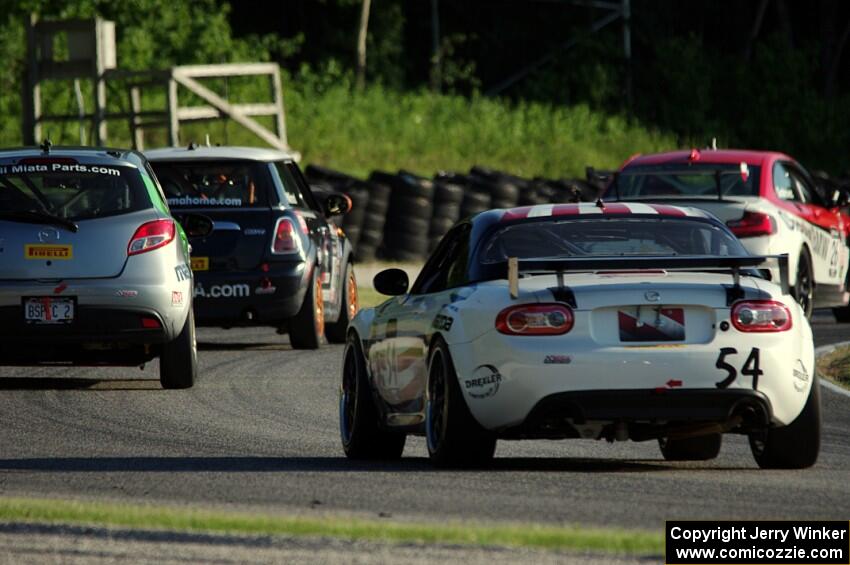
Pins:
x,y
48,251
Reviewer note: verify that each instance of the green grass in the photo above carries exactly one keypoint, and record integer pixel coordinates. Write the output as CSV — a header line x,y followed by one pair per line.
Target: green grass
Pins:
x,y
332,124
369,297
835,365
184,519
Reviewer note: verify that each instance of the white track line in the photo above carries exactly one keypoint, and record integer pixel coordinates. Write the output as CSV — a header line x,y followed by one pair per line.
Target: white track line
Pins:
x,y
824,350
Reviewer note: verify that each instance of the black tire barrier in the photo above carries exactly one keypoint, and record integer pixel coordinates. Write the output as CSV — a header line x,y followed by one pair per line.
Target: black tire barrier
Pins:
x,y
403,216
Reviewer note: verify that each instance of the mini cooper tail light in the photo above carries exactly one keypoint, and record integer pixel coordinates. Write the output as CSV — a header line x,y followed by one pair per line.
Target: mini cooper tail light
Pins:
x,y
535,319
286,238
753,224
761,316
150,236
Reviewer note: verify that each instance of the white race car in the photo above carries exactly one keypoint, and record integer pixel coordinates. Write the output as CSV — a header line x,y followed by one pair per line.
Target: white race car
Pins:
x,y
607,321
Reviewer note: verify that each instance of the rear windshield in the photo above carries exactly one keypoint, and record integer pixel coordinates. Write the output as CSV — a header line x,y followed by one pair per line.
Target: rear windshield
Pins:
x,y
228,184
71,190
610,237
697,180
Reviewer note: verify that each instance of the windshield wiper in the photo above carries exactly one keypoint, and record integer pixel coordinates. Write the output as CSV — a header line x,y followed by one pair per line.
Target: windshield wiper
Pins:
x,y
32,217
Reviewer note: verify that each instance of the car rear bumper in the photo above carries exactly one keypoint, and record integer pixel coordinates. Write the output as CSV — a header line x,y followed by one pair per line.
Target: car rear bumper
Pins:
x,y
503,378
250,297
558,415
97,336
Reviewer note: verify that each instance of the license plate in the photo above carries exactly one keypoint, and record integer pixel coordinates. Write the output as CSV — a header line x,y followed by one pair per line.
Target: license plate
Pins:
x,y
48,310
200,263
651,324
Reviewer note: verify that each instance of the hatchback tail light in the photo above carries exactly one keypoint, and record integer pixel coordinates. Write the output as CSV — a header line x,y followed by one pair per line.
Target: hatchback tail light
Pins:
x,y
761,316
753,224
535,319
150,236
286,238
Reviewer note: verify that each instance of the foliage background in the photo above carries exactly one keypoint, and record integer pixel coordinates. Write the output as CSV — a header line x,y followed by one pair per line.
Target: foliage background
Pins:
x,y
700,69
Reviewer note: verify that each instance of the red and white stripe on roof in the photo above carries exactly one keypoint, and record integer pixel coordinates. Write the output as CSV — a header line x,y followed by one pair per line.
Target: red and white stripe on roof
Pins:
x,y
609,209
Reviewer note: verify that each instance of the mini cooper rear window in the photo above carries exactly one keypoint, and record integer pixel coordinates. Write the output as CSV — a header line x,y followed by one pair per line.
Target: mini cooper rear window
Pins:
x,y
215,184
610,237
70,190
676,181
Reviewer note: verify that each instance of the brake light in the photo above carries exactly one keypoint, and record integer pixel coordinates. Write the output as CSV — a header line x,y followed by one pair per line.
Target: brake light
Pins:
x,y
753,224
535,319
286,238
150,323
150,236
761,316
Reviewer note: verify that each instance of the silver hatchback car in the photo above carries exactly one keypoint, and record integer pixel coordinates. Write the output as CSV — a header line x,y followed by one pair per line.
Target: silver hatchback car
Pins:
x,y
93,268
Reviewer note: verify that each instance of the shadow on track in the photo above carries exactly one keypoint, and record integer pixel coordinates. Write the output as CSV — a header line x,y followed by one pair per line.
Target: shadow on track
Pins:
x,y
320,465
62,383
238,346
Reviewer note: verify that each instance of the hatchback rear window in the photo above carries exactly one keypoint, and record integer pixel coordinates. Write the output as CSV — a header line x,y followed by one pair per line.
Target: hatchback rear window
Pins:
x,y
695,180
610,237
71,190
215,184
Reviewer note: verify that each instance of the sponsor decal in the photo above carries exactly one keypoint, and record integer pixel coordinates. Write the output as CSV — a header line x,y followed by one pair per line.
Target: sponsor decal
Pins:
x,y
48,251
484,382
442,322
652,324
801,376
197,201
183,272
176,298
265,290
255,231
223,291
58,168
200,263
127,293
60,288
48,235
557,360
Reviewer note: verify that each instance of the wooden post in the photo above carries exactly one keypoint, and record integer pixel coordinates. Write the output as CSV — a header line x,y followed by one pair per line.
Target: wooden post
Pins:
x,y
280,118
361,44
173,121
31,89
99,122
137,132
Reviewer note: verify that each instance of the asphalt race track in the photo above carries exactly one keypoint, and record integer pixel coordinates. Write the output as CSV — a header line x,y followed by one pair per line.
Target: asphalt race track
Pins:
x,y
260,430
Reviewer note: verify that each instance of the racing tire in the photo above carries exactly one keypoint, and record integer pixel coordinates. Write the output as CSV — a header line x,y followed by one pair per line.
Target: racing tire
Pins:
x,y
349,304
307,328
804,285
795,446
701,448
453,437
359,429
178,362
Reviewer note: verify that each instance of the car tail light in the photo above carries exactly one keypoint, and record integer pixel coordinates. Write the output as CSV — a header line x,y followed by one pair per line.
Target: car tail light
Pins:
x,y
150,323
150,236
761,316
286,238
535,319
753,224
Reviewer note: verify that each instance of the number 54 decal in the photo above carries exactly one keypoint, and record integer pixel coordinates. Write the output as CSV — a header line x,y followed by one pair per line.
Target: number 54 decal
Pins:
x,y
750,368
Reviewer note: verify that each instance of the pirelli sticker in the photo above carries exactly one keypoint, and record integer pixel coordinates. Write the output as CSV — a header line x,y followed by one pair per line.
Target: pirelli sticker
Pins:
x,y
48,251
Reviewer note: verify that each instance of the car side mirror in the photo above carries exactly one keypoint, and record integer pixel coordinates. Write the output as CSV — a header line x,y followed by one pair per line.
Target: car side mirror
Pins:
x,y
391,282
196,225
337,204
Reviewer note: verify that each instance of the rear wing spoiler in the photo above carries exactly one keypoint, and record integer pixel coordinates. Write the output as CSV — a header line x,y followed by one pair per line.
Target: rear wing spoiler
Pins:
x,y
614,177
559,266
